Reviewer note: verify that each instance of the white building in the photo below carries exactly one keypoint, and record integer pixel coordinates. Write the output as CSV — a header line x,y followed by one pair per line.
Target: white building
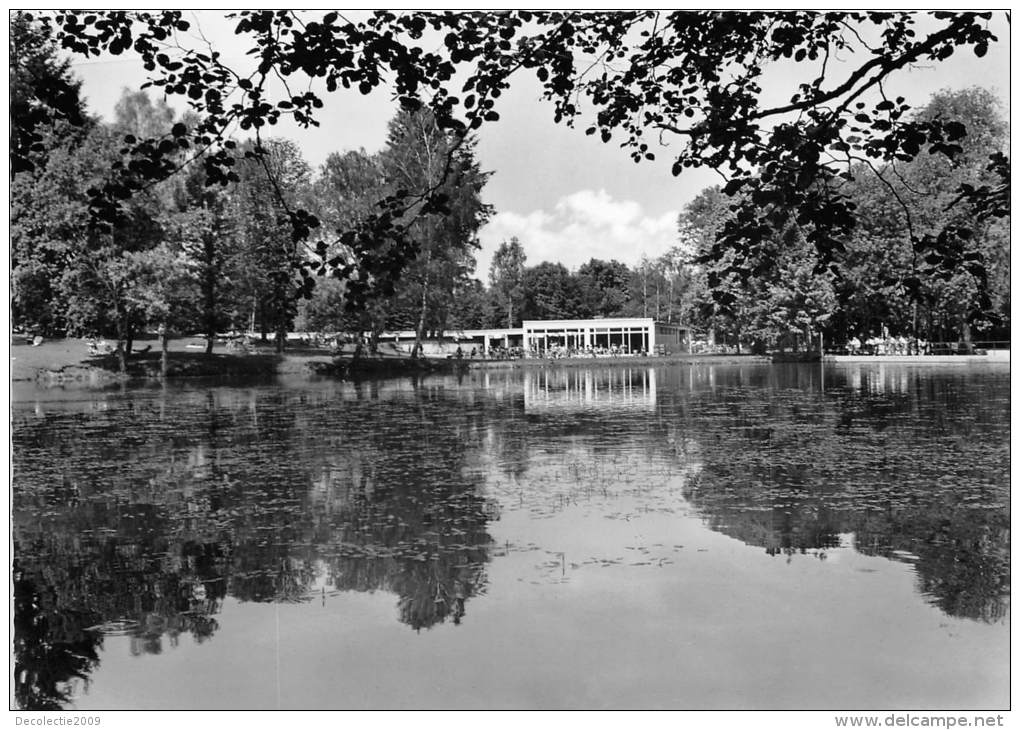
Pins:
x,y
601,334
635,334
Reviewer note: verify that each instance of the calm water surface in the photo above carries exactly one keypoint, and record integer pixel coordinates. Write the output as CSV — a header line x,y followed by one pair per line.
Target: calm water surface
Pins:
x,y
692,536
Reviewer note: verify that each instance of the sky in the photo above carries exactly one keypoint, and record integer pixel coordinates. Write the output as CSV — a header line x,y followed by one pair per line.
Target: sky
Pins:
x,y
566,196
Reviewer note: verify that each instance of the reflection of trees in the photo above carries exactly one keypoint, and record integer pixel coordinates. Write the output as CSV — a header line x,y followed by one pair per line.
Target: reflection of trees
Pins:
x,y
791,471
51,647
425,542
412,521
127,568
142,520
962,556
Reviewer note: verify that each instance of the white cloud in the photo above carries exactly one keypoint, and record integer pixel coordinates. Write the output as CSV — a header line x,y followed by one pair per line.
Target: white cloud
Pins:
x,y
582,225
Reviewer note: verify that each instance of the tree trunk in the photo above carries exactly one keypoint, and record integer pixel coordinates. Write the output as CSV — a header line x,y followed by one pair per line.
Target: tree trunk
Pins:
x,y
121,339
209,287
669,308
913,325
965,335
129,340
419,332
164,357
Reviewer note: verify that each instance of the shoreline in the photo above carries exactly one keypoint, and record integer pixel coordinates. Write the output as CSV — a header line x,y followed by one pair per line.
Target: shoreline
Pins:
x,y
67,362
993,356
537,362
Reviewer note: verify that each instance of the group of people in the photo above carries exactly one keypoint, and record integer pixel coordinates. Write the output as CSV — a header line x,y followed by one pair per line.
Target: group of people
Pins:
x,y
553,352
561,351
493,353
887,346
98,346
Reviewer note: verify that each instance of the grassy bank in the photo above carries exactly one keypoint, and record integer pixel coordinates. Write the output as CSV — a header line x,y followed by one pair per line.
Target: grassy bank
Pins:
x,y
69,361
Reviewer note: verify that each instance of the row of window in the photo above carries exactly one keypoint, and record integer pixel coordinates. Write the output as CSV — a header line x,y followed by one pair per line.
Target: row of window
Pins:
x,y
592,330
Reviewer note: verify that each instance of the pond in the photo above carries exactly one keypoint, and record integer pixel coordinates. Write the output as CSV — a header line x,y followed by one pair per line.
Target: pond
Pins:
x,y
694,536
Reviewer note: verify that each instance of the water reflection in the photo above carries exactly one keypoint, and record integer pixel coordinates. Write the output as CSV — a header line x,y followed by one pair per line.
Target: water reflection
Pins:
x,y
51,647
891,463
567,389
142,513
258,495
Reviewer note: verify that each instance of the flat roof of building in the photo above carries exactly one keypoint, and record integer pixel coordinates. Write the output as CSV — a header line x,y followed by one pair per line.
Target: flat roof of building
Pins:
x,y
530,324
592,322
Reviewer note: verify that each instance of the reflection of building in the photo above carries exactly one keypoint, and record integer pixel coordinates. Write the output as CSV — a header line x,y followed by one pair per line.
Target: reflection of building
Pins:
x,y
567,389
876,378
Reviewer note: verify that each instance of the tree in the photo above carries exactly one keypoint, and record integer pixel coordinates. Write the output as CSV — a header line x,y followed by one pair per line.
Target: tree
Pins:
x,y
551,292
199,226
43,93
506,279
66,275
681,283
347,188
605,285
647,283
964,274
800,296
419,154
922,257
693,77
346,191
164,287
699,224
49,220
324,311
100,281
876,257
471,308
135,114
784,299
49,204
269,255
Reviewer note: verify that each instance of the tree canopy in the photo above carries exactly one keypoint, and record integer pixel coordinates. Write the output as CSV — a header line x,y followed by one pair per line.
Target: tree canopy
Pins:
x,y
880,212
905,267
633,77
43,92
